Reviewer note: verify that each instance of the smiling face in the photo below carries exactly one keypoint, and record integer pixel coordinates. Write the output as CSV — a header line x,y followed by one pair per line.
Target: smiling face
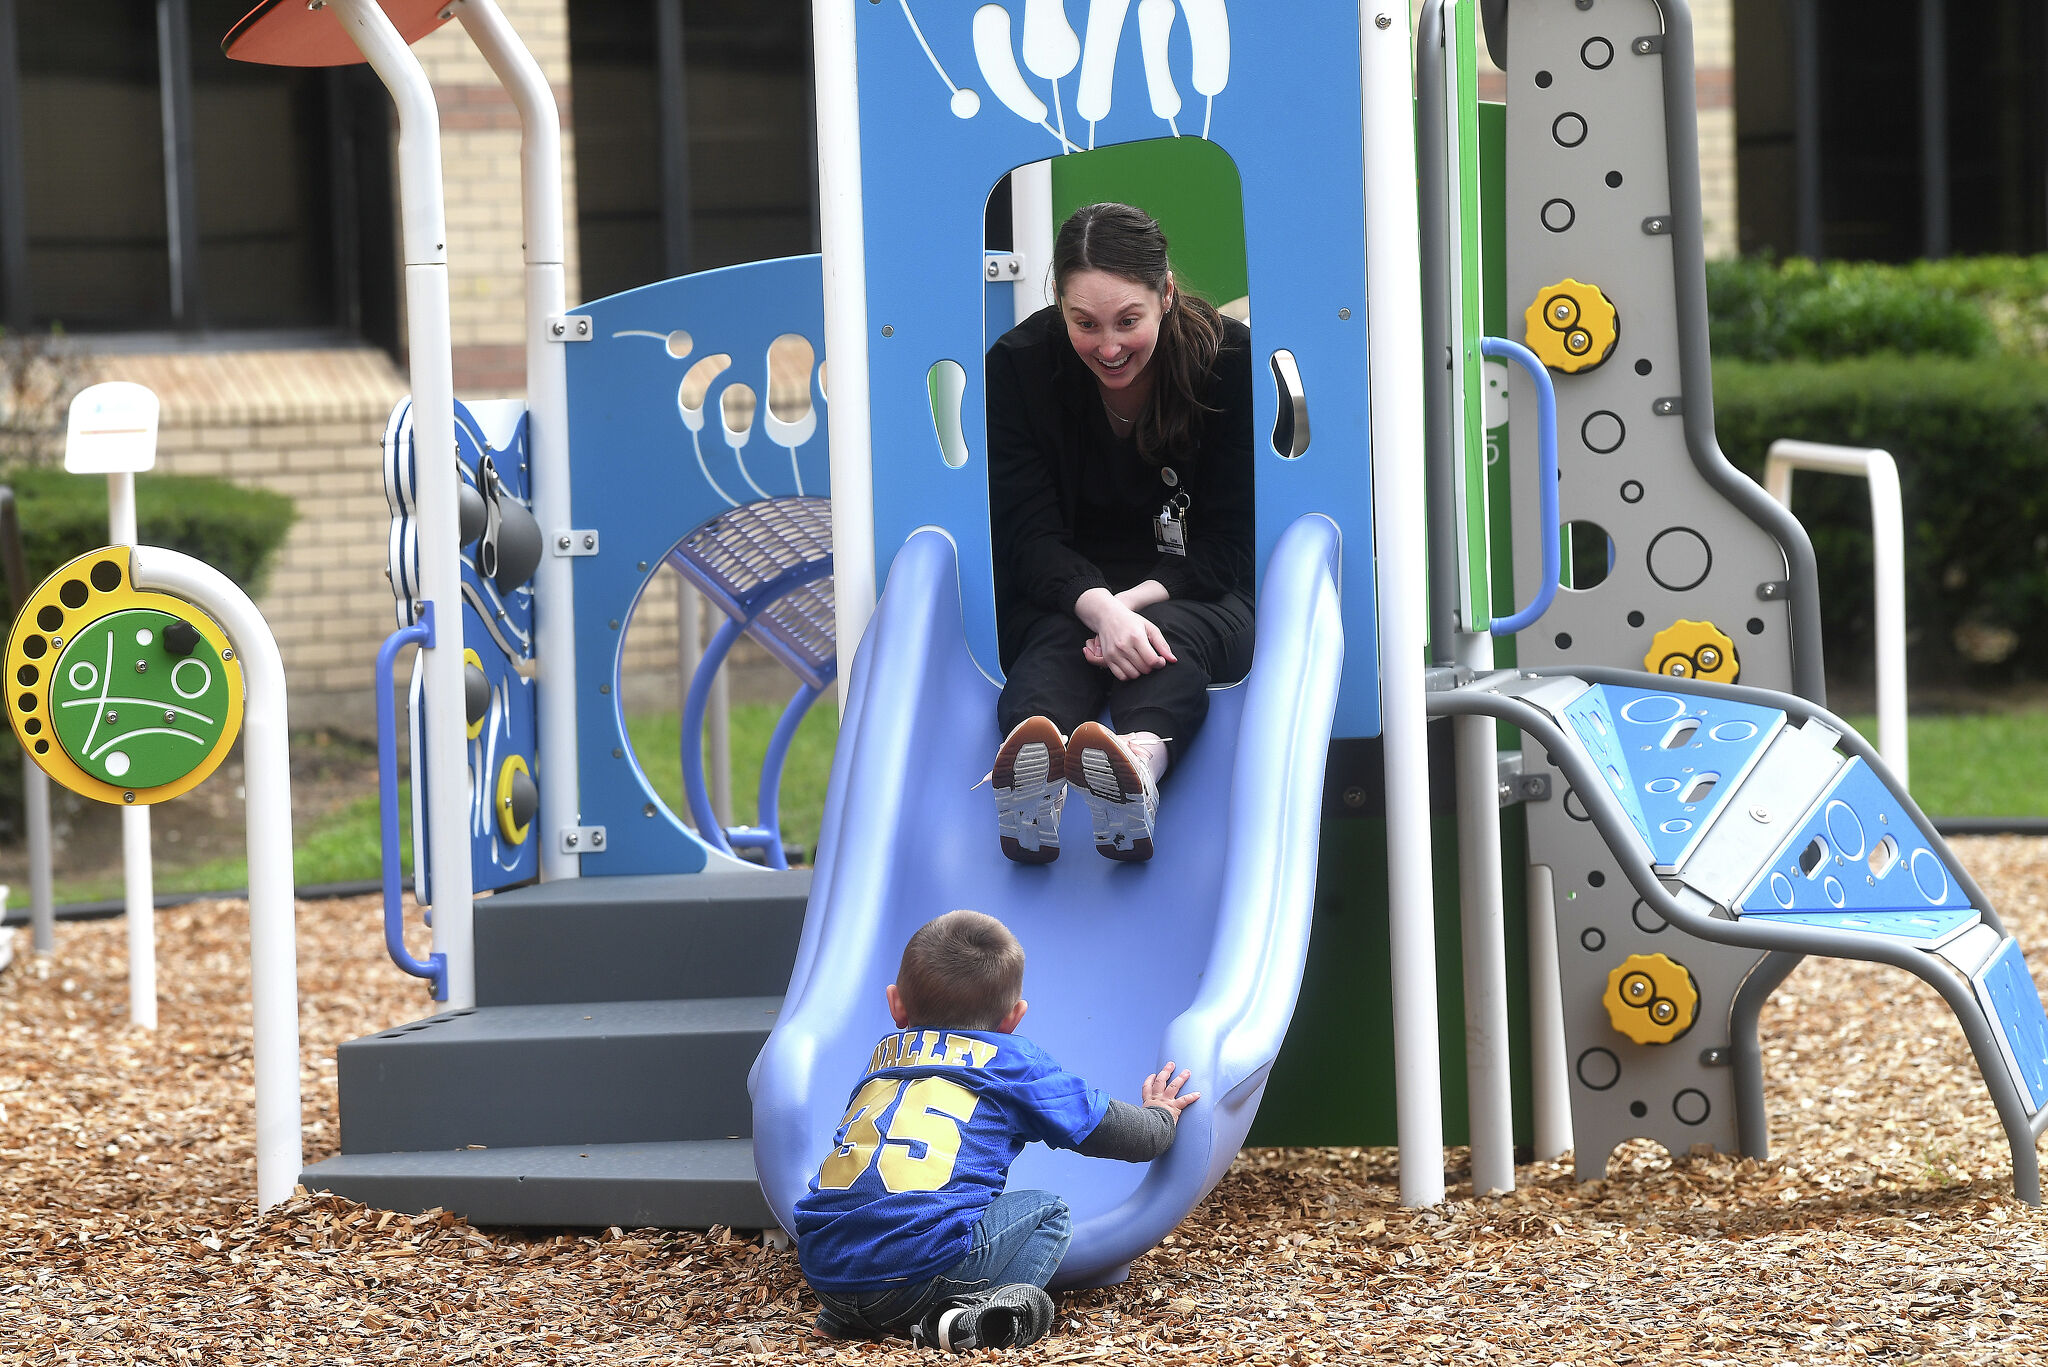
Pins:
x,y
1114,326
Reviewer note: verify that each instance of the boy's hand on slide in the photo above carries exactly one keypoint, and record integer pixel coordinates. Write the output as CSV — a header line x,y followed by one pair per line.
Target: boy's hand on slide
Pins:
x,y
1163,1089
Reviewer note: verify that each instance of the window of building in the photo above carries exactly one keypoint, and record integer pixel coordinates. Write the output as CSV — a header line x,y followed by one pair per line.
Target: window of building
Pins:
x,y
159,187
694,136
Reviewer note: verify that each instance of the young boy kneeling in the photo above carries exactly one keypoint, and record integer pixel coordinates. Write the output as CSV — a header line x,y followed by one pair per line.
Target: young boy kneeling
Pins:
x,y
906,1227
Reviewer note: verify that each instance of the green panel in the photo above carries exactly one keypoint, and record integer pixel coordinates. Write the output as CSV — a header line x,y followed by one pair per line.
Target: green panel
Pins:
x,y
1493,240
1189,184
131,712
1334,1080
1463,90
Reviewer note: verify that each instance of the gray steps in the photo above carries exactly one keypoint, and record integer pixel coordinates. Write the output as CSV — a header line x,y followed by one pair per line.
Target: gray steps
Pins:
x,y
690,1184
602,1077
574,1073
712,934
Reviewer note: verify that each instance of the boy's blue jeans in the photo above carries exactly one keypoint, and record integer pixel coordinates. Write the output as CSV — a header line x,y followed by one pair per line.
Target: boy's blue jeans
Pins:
x,y
1021,1238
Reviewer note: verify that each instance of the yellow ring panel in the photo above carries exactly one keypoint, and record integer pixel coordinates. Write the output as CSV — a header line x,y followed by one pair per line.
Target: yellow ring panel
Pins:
x,y
514,833
100,603
470,657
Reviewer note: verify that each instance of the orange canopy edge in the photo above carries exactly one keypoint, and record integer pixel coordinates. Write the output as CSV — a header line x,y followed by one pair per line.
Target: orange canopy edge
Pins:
x,y
303,33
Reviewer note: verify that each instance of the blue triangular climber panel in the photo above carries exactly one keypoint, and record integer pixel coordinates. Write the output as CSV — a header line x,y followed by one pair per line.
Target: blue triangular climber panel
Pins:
x,y
1601,735
1685,755
1928,928
2014,1006
1857,850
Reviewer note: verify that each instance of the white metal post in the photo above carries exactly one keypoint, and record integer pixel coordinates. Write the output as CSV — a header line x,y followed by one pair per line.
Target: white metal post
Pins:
x,y
1547,1053
1483,932
844,242
138,896
1031,236
425,242
1888,566
547,407
42,911
267,781
1393,263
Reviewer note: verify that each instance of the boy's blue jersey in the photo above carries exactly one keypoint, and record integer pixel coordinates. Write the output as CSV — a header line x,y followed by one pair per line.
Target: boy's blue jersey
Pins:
x,y
926,1143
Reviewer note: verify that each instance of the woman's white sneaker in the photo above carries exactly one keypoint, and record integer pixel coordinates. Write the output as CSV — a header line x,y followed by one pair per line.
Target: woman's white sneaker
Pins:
x,y
1117,782
1030,783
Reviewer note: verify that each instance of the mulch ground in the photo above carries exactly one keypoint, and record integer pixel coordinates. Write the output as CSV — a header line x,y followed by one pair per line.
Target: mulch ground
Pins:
x,y
1885,1228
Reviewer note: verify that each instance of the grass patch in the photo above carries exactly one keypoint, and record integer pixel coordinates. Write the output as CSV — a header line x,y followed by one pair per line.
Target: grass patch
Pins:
x,y
1975,764
657,744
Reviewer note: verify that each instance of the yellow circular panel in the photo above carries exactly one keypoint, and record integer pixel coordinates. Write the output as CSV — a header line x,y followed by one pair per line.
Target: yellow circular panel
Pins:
x,y
1651,998
472,660
1693,650
1572,326
79,597
509,825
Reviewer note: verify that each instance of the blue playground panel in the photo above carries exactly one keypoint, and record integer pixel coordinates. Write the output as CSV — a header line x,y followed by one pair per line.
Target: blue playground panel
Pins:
x,y
1929,928
2014,1006
1857,850
1593,719
943,118
645,472
1674,748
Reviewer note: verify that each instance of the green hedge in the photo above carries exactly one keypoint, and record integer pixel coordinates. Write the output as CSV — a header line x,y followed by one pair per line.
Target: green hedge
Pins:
x,y
1971,439
1763,311
234,529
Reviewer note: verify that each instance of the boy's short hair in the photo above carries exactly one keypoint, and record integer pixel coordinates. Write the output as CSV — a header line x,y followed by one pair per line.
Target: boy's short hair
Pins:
x,y
961,971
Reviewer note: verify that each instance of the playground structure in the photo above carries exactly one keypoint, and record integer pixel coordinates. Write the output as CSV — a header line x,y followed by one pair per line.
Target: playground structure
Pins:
x,y
601,1031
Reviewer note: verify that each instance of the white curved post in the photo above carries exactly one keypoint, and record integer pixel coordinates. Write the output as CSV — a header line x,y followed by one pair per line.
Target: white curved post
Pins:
x,y
433,425
267,781
547,407
1888,565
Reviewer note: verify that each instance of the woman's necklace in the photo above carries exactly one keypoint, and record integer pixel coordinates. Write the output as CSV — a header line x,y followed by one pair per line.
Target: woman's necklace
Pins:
x,y
1114,415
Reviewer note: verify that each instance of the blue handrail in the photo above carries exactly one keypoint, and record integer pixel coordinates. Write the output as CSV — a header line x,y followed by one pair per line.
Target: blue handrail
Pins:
x,y
435,968
1546,481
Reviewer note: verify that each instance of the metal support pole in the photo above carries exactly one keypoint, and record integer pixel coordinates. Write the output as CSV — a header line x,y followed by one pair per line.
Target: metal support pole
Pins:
x,y
425,240
678,244
137,895
1394,371
267,781
1548,1057
547,406
1031,236
1482,903
14,304
35,783
181,207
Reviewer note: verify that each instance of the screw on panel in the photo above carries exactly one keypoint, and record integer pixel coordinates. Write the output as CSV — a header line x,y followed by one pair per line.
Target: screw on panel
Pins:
x,y
1383,22
1771,590
127,797
1354,797
1643,47
1666,408
1657,227
1760,815
888,331
1344,314
227,654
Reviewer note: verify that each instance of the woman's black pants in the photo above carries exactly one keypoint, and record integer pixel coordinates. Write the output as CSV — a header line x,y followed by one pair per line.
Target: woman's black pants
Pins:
x,y
1211,643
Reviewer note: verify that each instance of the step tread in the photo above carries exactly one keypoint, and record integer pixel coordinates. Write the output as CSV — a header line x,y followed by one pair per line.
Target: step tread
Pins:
x,y
668,1160
665,889
582,1020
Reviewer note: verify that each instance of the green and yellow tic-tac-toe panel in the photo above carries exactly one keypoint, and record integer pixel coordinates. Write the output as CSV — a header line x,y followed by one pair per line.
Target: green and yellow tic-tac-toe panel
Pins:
x,y
120,694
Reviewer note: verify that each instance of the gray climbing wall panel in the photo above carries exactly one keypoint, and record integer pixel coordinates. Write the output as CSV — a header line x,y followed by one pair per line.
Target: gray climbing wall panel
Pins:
x,y
1592,189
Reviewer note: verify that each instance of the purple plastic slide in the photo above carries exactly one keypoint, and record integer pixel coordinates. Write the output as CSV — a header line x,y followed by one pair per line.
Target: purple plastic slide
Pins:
x,y
1195,956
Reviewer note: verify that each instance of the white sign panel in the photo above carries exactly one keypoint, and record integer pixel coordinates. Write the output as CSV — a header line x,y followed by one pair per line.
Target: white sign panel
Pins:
x,y
112,431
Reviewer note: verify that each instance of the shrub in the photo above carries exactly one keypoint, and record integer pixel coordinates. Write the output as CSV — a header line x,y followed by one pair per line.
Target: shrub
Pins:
x,y
1761,311
1971,442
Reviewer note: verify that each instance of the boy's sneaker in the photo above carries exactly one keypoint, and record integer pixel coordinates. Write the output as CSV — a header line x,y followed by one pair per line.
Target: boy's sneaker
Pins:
x,y
1030,782
1117,782
1004,1317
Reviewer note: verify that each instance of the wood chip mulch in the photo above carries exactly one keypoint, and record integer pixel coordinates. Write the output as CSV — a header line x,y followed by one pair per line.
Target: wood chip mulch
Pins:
x,y
1883,1229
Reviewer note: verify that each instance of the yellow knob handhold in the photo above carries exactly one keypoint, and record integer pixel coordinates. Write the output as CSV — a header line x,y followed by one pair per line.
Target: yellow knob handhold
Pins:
x,y
1693,650
1651,998
1572,326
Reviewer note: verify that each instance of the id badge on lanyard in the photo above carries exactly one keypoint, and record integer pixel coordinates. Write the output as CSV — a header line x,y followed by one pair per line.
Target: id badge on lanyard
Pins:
x,y
1170,527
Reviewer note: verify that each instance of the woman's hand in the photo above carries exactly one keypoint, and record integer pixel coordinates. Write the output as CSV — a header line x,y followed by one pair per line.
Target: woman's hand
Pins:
x,y
1126,644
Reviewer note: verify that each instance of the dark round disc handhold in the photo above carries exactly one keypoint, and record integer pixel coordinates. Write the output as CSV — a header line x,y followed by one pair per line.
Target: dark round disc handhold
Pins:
x,y
519,545
470,513
181,638
525,798
476,693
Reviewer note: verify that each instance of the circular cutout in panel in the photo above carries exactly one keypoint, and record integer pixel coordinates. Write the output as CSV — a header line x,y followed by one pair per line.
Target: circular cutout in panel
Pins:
x,y
1593,939
1631,491
1589,554
1755,626
1653,710
1677,825
1643,367
679,344
1734,732
1638,1109
1574,808
1679,559
1662,787
1569,130
1597,54
1837,897
1635,619
1929,875
1646,918
1559,215
1614,180
1781,890
1845,829
1691,1107
50,618
74,593
1598,1069
1603,432
1543,80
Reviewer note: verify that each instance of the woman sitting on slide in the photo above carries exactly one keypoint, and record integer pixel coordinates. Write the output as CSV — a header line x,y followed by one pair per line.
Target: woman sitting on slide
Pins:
x,y
1120,492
